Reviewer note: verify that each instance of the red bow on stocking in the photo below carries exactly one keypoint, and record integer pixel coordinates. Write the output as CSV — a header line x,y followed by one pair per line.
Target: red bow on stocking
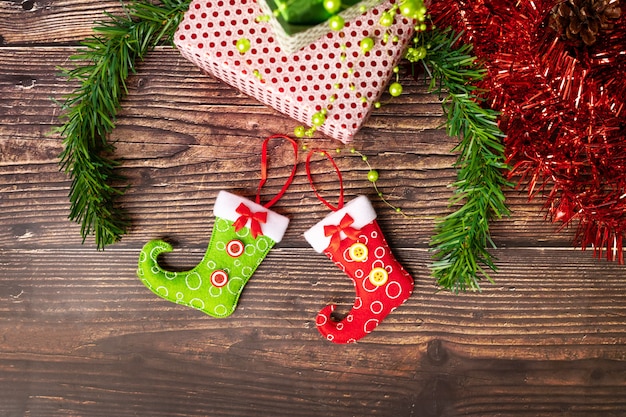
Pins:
x,y
335,232
255,220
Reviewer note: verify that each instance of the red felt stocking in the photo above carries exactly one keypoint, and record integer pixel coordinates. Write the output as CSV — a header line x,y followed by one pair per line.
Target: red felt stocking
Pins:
x,y
352,239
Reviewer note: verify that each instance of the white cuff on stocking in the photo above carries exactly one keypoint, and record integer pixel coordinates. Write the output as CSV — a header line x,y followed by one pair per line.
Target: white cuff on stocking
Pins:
x,y
361,211
226,207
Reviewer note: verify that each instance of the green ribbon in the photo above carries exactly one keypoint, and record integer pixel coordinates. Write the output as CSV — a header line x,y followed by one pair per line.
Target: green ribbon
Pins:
x,y
298,15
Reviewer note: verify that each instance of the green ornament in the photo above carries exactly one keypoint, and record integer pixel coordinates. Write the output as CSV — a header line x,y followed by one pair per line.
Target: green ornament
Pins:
x,y
420,53
318,119
386,19
367,44
299,131
243,45
332,6
336,23
372,175
395,89
408,9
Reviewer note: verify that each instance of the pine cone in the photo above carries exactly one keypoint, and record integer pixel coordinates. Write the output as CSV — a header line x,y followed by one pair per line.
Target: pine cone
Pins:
x,y
582,20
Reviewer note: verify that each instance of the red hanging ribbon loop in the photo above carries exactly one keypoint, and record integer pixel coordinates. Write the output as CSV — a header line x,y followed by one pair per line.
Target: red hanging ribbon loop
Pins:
x,y
255,220
264,170
334,231
308,174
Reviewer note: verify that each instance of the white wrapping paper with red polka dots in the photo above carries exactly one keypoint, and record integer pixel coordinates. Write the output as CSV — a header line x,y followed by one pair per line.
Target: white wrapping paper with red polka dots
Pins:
x,y
331,73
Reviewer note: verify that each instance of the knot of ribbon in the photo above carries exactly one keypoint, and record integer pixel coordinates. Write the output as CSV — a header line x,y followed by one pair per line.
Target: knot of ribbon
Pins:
x,y
255,220
334,231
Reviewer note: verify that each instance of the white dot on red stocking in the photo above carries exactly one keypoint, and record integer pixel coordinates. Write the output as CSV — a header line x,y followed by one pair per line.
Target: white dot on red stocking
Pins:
x,y
393,290
368,286
370,325
376,307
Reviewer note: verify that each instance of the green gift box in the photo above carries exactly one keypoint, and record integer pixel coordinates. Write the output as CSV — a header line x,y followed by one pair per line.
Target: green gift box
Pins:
x,y
298,15
297,23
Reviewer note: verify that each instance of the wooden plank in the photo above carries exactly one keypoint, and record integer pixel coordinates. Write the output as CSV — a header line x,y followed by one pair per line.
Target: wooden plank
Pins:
x,y
525,347
181,134
32,22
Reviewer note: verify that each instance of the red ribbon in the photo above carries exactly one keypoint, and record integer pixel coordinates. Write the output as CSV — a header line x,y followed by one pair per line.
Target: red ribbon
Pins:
x,y
335,232
255,220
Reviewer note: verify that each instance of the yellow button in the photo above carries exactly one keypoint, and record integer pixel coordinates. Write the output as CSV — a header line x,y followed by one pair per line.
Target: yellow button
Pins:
x,y
358,252
379,276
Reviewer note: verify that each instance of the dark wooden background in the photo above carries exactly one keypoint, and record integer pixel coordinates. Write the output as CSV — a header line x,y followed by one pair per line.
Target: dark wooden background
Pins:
x,y
81,336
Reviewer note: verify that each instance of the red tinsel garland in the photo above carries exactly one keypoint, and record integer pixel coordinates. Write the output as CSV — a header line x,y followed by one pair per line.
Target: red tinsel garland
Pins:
x,y
562,110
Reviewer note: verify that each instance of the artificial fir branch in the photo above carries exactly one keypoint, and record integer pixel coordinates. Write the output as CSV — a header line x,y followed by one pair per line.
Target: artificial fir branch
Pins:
x,y
462,238
89,112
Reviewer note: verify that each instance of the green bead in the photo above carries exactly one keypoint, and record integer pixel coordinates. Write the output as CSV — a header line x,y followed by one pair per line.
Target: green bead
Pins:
x,y
332,6
408,9
299,131
386,20
420,53
243,45
395,89
318,119
372,176
367,44
336,23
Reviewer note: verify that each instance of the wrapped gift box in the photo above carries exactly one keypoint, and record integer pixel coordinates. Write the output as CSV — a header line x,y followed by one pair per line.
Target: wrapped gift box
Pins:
x,y
296,30
331,73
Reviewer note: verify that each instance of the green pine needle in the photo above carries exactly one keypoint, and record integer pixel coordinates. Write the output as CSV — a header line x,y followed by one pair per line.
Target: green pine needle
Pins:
x,y
461,258
90,111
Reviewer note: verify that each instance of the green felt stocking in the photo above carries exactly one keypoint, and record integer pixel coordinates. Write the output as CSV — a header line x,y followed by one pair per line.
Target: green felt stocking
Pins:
x,y
243,233
233,254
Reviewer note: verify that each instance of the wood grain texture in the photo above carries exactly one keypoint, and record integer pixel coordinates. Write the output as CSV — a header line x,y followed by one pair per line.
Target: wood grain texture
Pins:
x,y
81,336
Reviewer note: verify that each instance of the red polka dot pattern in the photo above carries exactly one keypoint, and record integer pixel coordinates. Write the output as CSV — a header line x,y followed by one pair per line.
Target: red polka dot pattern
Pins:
x,y
330,73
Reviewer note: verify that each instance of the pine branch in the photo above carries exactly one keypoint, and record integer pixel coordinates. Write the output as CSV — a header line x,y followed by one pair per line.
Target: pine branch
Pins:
x,y
90,111
462,238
